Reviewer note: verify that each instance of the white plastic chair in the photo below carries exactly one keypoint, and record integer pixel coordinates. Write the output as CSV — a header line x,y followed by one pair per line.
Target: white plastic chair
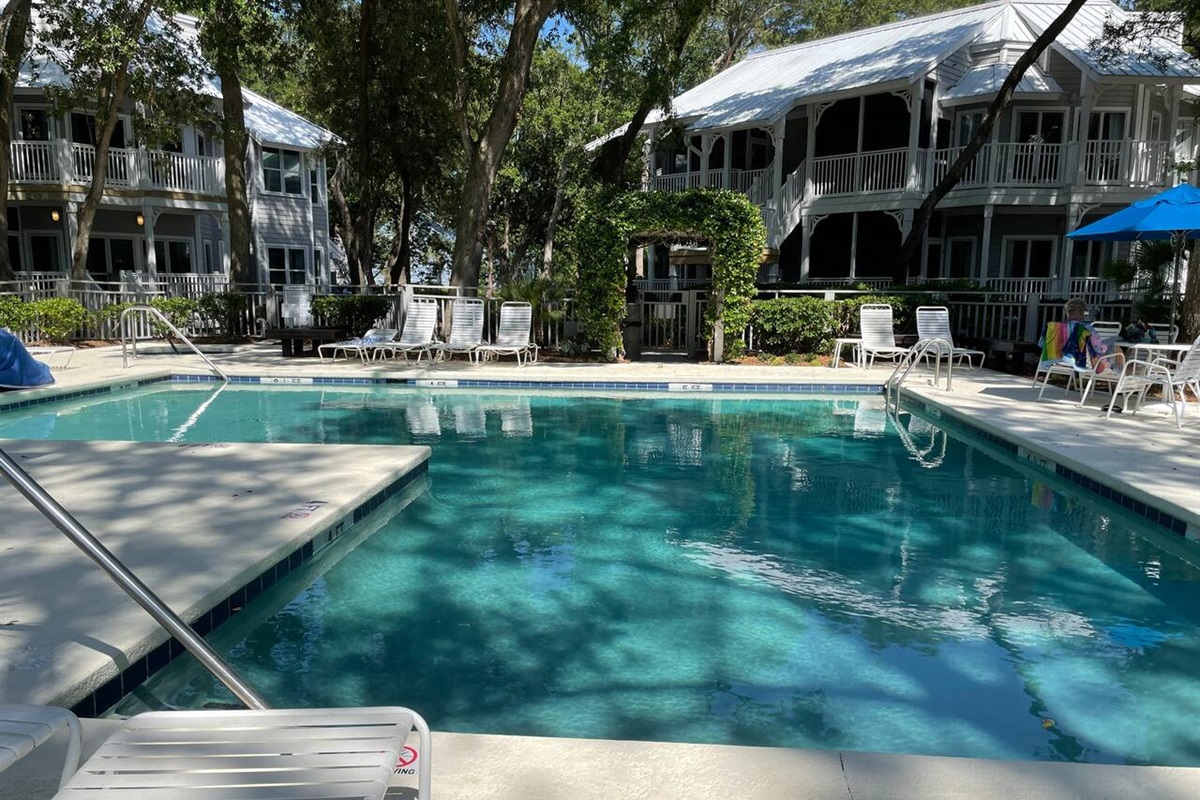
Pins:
x,y
420,325
933,322
1138,377
363,345
513,334
24,728
878,338
280,754
466,329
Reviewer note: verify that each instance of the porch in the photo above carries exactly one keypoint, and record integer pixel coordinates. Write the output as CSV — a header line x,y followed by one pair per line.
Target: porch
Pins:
x,y
62,162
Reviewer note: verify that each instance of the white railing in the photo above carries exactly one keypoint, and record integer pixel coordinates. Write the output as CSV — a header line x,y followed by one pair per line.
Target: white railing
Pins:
x,y
60,161
740,180
744,179
669,284
1029,164
34,162
854,173
1022,287
1127,163
793,189
977,173
675,183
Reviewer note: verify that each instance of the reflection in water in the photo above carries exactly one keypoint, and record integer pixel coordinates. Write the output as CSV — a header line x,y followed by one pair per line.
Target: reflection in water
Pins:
x,y
766,572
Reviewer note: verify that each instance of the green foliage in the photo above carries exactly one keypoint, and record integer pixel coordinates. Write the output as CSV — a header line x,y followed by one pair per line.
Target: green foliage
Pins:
x,y
15,313
542,294
58,318
1150,264
356,313
804,324
726,220
178,310
228,309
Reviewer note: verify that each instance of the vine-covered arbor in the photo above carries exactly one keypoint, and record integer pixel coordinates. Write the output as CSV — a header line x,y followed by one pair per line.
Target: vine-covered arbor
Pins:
x,y
726,221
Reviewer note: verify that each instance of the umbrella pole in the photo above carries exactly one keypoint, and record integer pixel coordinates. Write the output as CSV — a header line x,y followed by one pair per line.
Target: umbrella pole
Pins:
x,y
1177,239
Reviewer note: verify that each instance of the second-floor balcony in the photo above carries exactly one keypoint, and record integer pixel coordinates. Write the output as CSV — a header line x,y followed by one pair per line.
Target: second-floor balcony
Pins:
x,y
67,163
999,165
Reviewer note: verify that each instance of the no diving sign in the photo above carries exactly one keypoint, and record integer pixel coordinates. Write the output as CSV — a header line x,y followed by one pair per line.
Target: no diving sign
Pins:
x,y
406,764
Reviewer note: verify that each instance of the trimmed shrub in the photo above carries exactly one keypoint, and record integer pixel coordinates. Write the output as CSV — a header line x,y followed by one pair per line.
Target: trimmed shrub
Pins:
x,y
228,309
15,314
354,312
58,318
801,324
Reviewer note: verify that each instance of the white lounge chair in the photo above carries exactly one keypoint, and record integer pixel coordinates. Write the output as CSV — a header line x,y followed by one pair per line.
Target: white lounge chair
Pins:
x,y
1137,378
23,728
363,346
420,326
933,322
513,335
49,355
466,329
878,338
276,754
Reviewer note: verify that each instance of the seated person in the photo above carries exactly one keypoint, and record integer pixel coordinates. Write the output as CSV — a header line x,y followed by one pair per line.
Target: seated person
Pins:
x,y
18,369
1073,343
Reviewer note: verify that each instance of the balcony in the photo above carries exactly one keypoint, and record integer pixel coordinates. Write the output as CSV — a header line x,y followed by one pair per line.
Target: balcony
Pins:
x,y
66,163
739,180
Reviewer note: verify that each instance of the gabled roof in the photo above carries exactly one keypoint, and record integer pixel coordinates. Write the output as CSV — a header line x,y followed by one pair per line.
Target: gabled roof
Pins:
x,y
764,86
266,120
984,81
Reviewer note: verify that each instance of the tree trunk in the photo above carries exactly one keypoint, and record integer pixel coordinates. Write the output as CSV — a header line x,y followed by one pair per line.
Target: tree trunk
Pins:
x,y
345,225
17,26
106,123
401,269
921,218
482,163
552,226
1189,308
233,131
364,220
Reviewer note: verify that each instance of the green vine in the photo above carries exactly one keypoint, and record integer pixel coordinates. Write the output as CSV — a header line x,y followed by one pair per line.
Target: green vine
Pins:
x,y
726,220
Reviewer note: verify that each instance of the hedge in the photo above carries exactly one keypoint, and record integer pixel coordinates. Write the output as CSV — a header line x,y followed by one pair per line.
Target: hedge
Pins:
x,y
809,324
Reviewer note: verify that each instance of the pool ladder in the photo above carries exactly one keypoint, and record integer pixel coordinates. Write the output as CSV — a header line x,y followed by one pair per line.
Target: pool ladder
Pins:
x,y
151,311
924,347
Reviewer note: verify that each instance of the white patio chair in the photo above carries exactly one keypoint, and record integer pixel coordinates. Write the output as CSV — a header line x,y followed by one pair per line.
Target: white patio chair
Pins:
x,y
878,338
24,728
466,329
363,346
1138,377
420,327
281,754
933,322
49,354
513,334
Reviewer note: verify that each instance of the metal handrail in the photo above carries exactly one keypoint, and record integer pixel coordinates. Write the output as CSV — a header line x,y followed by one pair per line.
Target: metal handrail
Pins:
x,y
915,354
151,310
130,583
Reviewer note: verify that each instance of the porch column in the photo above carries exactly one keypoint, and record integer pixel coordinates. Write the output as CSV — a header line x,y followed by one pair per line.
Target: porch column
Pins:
x,y
72,211
906,221
854,242
1087,97
226,260
805,241
1170,179
985,246
705,151
1074,212
148,231
914,133
810,148
778,133
727,165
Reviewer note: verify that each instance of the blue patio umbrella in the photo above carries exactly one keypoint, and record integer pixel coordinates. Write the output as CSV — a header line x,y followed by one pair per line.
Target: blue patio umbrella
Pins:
x,y
1173,214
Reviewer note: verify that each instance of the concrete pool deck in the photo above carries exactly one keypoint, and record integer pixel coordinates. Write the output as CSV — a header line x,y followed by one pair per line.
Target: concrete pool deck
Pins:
x,y
1144,453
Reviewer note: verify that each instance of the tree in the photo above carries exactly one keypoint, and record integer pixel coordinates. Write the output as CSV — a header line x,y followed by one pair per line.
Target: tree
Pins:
x,y
921,218
14,26
114,63
232,33
485,149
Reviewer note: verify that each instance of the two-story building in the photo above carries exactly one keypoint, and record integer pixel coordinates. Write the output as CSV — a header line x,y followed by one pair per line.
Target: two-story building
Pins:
x,y
164,216
838,140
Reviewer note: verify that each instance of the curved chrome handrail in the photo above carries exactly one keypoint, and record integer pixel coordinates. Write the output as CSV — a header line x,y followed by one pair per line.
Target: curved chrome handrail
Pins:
x,y
915,354
151,310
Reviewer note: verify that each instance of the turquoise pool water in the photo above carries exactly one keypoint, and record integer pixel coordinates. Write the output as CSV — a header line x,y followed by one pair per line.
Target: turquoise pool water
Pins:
x,y
799,573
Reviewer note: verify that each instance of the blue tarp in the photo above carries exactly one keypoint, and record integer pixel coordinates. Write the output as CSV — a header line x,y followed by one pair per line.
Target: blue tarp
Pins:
x,y
18,369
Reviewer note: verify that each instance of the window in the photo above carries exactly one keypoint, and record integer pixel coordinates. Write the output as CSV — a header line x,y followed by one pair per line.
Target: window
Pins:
x,y
171,255
1087,257
83,130
314,184
281,171
933,258
1029,258
107,258
45,252
210,257
1103,152
286,265
14,253
968,124
961,258
35,124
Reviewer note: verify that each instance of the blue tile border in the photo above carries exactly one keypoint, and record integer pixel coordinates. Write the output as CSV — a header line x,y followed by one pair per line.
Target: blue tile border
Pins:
x,y
111,692
1163,519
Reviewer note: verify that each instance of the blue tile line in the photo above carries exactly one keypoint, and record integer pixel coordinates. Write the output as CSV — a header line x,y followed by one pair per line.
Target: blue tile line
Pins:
x,y
137,673
1156,516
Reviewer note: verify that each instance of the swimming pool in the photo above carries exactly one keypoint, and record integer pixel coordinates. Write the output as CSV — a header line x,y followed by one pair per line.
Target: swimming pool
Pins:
x,y
786,572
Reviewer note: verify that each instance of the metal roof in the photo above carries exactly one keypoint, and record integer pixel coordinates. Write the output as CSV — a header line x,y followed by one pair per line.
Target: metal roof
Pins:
x,y
764,86
985,81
